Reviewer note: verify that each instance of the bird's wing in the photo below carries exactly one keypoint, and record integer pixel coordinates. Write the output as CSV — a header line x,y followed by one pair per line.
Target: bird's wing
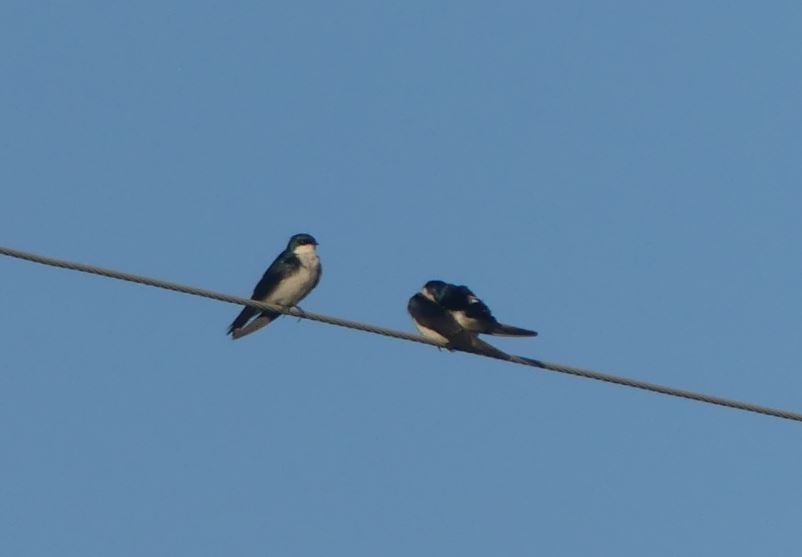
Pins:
x,y
262,321
462,299
482,347
434,317
283,265
454,298
477,309
280,268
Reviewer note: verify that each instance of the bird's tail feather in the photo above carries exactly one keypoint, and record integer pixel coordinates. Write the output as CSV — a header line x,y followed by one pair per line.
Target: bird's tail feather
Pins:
x,y
482,347
243,317
502,330
239,329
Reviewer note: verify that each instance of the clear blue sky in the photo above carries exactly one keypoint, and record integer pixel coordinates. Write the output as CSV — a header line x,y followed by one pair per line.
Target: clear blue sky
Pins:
x,y
622,177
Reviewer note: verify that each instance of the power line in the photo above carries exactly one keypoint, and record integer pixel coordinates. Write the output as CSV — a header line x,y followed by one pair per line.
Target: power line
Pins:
x,y
560,368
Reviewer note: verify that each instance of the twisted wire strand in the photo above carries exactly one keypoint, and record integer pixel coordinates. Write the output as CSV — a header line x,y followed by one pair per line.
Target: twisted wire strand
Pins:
x,y
559,368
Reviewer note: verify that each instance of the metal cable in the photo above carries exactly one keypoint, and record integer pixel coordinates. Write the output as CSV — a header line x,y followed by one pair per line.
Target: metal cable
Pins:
x,y
560,368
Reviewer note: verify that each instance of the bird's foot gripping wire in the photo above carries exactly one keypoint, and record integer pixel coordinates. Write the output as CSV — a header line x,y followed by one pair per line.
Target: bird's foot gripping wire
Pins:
x,y
301,311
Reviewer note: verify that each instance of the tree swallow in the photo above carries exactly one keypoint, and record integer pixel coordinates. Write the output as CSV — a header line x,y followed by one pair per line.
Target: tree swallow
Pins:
x,y
294,273
438,324
470,312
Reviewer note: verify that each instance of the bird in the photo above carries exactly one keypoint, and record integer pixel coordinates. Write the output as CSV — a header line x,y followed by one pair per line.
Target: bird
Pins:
x,y
470,312
287,281
438,324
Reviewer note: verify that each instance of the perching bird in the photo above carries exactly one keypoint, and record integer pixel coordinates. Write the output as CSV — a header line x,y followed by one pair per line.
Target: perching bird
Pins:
x,y
436,323
470,312
294,273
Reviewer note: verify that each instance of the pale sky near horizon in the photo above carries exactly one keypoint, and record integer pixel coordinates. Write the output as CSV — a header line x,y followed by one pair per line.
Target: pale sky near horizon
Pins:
x,y
623,178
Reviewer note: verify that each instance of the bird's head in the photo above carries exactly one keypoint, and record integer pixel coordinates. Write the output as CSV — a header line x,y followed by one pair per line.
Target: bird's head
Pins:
x,y
434,289
301,240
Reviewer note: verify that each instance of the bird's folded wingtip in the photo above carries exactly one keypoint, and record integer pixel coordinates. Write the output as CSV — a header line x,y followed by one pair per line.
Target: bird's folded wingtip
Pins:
x,y
261,321
509,330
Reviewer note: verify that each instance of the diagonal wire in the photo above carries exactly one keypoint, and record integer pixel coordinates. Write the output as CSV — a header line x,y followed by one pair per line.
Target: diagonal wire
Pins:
x,y
560,368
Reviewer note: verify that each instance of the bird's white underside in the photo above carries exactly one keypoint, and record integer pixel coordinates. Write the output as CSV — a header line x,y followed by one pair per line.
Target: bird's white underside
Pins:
x,y
431,334
464,321
292,289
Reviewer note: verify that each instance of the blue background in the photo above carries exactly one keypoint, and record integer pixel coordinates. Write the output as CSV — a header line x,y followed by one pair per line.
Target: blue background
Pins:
x,y
623,177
